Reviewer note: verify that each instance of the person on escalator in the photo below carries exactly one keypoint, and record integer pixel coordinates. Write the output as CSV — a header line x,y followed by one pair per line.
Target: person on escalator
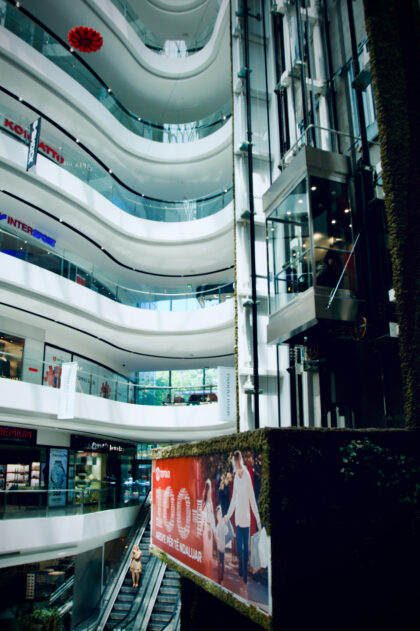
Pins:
x,y
135,565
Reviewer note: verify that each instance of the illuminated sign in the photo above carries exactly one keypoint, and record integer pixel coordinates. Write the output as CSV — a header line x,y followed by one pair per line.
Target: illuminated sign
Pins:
x,y
34,134
205,516
17,434
20,131
102,446
25,228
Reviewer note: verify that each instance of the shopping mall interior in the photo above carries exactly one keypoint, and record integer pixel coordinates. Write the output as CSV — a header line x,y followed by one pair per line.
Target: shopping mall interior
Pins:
x,y
193,230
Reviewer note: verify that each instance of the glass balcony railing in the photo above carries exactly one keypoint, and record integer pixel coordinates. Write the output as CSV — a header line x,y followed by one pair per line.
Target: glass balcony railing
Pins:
x,y
178,49
80,271
95,380
56,145
18,504
20,23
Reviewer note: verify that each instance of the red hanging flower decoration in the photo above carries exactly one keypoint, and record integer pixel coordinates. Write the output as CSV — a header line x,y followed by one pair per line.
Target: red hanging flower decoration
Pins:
x,y
85,39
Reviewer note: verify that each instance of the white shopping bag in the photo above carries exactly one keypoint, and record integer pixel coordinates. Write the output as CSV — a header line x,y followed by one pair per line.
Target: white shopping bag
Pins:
x,y
255,556
263,548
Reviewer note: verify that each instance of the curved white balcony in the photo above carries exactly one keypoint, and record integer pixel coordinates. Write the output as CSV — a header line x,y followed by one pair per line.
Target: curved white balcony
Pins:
x,y
207,333
37,406
37,539
141,163
169,90
182,248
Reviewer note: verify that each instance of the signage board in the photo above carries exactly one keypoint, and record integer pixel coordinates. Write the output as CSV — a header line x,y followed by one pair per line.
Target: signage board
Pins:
x,y
226,393
205,516
86,443
67,390
57,477
18,434
34,135
16,223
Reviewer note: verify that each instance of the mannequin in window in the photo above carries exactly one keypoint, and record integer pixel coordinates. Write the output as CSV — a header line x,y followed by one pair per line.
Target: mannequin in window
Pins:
x,y
4,364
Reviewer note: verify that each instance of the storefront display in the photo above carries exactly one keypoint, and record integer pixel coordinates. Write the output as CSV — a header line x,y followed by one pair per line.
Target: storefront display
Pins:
x,y
92,378
53,359
11,356
102,469
57,478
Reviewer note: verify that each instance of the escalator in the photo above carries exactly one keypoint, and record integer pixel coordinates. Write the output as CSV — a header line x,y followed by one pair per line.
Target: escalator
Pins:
x,y
127,594
153,606
166,607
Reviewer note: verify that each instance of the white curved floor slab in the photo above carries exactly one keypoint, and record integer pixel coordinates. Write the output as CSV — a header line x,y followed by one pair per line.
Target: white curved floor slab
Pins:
x,y
180,248
183,171
165,90
182,334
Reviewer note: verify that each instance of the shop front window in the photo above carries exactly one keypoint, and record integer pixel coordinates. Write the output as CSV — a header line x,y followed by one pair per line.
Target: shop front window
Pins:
x,y
11,356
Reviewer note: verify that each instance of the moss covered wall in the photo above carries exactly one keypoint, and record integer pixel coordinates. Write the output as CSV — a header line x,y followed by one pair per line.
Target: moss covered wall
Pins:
x,y
343,511
393,29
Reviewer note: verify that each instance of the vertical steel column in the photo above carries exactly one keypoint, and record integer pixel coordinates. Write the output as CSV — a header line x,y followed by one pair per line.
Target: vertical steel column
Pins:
x,y
251,222
359,97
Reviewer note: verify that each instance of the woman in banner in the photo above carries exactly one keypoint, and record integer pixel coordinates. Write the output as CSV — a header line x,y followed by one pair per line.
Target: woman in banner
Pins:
x,y
243,497
209,525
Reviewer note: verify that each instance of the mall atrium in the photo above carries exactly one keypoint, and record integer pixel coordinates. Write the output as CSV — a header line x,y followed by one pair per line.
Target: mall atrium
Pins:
x,y
191,237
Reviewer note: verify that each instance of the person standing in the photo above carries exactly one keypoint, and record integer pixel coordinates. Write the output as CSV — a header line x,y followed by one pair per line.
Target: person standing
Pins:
x,y
135,565
243,498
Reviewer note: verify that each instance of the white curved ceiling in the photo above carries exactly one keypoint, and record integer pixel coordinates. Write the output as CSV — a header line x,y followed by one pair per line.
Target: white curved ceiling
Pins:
x,y
153,86
154,168
175,19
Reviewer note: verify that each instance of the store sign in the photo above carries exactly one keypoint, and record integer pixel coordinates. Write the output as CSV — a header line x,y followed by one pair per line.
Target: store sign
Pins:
x,y
34,135
18,434
20,131
83,443
226,392
28,229
205,516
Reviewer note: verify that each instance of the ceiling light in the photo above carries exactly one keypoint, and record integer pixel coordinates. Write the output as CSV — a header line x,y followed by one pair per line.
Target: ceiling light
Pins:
x,y
300,201
109,90
333,221
347,210
288,212
313,188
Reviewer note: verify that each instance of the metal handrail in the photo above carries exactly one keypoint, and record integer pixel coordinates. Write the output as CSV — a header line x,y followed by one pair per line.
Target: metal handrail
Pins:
x,y
302,140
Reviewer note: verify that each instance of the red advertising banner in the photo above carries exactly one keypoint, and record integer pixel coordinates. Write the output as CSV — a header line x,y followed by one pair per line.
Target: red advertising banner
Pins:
x,y
205,516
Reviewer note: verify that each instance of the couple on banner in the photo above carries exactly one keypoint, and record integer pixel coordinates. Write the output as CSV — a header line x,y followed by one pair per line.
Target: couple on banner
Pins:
x,y
243,499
